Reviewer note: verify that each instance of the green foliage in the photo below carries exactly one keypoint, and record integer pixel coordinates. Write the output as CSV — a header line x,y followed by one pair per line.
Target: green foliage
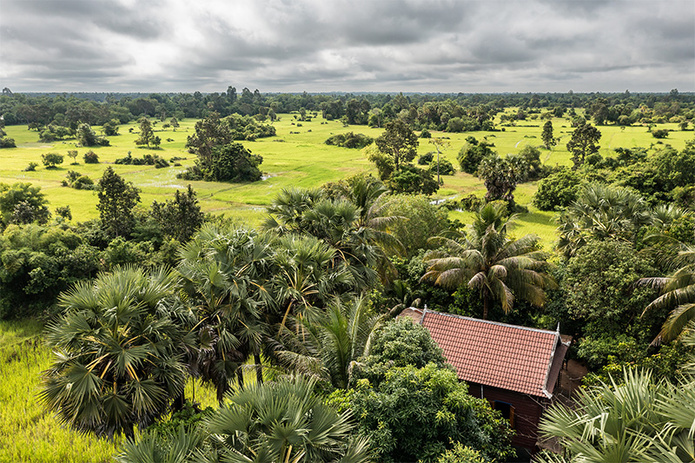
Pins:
x,y
547,136
445,167
636,419
416,414
228,163
461,454
78,181
660,133
119,349
117,198
500,268
350,140
275,422
421,220
23,198
37,264
558,190
181,217
500,176
111,127
583,143
472,153
401,343
147,136
90,157
50,160
7,142
398,142
412,180
87,137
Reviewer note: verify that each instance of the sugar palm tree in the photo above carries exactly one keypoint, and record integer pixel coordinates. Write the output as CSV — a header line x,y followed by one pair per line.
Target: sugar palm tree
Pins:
x,y
225,274
638,419
274,422
501,269
119,352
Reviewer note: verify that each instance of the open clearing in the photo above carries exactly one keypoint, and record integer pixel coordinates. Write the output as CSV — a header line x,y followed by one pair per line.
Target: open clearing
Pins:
x,y
298,157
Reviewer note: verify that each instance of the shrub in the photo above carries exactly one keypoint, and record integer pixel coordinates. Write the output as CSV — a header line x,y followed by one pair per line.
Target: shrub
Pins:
x,y
31,167
6,142
90,157
557,190
426,158
445,167
50,160
660,133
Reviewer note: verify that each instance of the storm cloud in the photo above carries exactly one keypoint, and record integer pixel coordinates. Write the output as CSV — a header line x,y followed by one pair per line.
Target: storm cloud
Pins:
x,y
356,45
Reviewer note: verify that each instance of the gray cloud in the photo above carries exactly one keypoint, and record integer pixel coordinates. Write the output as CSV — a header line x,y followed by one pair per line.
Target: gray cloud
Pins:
x,y
317,45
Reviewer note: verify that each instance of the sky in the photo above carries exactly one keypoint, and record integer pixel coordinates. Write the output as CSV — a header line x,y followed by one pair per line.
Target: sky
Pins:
x,y
347,46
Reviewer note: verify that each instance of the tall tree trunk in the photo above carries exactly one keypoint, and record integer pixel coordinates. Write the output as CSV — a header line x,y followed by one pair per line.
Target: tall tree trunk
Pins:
x,y
259,368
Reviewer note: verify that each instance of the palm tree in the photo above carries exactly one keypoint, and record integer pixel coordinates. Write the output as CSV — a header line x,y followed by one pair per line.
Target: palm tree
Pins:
x,y
638,419
282,422
119,352
678,293
602,212
225,274
329,347
500,268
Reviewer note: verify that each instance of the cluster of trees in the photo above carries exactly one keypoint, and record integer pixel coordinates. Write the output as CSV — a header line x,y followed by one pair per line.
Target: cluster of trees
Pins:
x,y
219,157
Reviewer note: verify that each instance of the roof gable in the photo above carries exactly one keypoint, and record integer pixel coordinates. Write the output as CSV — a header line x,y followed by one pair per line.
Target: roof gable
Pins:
x,y
509,357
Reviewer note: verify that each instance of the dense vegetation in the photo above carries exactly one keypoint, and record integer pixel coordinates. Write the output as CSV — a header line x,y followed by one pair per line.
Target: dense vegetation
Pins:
x,y
298,312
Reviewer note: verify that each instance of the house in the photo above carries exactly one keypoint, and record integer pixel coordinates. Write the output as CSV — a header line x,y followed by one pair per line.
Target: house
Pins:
x,y
514,367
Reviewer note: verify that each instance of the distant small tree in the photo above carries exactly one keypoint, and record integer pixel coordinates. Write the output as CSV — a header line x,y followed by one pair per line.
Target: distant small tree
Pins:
x,y
547,136
73,155
146,132
181,217
174,122
583,143
111,127
117,198
472,153
87,137
90,157
51,160
398,142
500,176
26,196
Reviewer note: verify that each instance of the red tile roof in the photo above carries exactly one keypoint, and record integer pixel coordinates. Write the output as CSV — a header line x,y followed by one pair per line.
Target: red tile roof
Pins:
x,y
509,357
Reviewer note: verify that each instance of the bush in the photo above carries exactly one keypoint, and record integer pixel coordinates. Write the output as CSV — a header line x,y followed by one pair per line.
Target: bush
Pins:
x,y
472,153
660,133
557,190
90,157
410,179
445,167
50,160
349,140
31,167
6,142
425,159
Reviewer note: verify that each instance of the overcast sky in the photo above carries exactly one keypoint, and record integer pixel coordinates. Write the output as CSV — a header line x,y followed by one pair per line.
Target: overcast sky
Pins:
x,y
352,45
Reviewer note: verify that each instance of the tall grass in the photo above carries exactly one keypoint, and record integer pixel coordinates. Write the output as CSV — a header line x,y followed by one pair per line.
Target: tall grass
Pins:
x,y
28,432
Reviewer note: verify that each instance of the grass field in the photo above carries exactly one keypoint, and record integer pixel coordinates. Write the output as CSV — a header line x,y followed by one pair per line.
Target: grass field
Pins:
x,y
297,156
29,433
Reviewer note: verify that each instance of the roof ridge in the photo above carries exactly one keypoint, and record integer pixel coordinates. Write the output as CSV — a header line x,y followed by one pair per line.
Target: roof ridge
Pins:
x,y
538,330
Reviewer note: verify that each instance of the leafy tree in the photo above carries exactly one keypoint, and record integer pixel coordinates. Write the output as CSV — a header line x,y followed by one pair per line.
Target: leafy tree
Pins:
x,y
557,190
547,135
417,414
383,162
419,220
209,133
50,160
329,346
73,155
181,217
583,143
87,137
111,127
233,163
501,269
90,157
26,195
350,140
146,133
117,198
472,153
412,180
398,142
119,346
